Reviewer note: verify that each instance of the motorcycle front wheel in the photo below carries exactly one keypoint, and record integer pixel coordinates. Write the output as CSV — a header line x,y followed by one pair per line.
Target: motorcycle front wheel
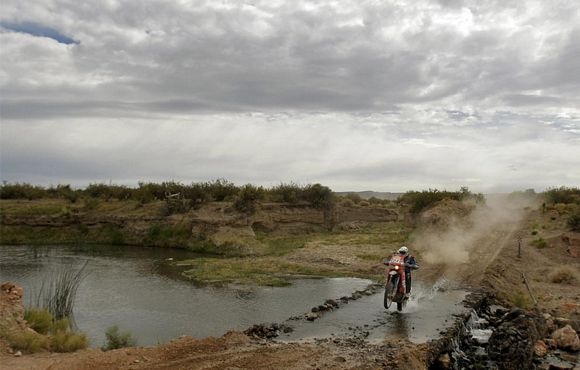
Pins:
x,y
390,291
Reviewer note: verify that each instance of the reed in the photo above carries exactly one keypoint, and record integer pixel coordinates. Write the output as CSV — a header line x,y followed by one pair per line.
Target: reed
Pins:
x,y
57,293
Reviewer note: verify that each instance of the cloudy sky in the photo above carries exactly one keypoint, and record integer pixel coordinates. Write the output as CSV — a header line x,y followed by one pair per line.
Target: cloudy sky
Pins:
x,y
357,95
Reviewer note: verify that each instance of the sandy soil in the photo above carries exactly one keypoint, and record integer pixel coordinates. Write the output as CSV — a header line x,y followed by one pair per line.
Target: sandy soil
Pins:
x,y
492,262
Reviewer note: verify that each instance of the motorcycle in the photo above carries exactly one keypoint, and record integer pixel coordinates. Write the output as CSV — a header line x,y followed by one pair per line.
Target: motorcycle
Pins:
x,y
395,282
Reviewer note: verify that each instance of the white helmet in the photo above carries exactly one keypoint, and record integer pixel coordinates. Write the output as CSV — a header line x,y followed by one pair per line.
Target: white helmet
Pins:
x,y
403,250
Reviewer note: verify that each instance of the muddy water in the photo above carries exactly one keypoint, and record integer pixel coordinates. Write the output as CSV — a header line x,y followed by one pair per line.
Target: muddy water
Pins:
x,y
136,289
429,311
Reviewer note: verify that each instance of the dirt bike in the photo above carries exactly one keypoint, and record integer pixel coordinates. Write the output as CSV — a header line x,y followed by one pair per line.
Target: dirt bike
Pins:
x,y
395,282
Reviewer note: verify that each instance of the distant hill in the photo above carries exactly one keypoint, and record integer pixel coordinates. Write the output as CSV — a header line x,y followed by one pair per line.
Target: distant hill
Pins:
x,y
369,194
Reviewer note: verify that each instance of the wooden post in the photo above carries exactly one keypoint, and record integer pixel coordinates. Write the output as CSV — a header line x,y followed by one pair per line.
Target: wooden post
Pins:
x,y
529,290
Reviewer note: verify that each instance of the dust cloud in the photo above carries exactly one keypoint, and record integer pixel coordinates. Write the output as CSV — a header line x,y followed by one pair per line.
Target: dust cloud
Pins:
x,y
446,239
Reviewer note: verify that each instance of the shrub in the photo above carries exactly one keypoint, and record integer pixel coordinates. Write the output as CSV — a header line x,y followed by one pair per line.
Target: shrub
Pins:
x,y
563,275
347,203
175,206
354,197
521,300
574,222
563,195
319,196
220,189
420,200
90,204
540,243
67,341
116,339
247,198
22,191
287,193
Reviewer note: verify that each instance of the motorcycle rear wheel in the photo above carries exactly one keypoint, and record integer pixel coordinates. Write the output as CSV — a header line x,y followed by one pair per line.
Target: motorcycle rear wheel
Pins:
x,y
390,291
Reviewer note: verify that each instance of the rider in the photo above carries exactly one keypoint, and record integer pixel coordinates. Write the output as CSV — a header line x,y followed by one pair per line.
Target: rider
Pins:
x,y
410,264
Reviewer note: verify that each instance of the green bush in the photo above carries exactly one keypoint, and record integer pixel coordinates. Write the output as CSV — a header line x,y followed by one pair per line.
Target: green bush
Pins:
x,y
116,339
192,195
22,191
286,193
574,222
247,198
67,341
420,200
319,196
540,243
347,203
563,195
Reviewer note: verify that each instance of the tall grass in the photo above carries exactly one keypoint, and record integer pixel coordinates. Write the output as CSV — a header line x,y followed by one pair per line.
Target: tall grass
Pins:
x,y
57,293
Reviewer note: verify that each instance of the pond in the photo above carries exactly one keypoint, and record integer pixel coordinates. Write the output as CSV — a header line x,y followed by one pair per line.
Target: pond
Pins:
x,y
137,289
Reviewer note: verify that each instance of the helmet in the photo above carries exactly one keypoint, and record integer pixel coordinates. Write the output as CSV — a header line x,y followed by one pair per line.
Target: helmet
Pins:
x,y
403,250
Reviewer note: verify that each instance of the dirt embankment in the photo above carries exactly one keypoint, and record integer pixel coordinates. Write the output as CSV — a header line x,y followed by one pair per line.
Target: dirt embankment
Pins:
x,y
125,222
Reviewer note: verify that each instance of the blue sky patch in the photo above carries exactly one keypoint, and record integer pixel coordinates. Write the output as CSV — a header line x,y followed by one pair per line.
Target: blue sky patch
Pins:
x,y
36,29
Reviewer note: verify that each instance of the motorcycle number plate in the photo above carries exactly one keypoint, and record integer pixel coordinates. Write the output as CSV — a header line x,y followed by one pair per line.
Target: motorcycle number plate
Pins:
x,y
392,272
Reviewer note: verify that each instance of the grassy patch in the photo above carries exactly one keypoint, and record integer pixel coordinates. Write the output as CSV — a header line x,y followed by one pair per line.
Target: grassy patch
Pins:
x,y
25,341
259,271
563,275
378,234
521,300
279,246
53,335
370,257
540,243
39,320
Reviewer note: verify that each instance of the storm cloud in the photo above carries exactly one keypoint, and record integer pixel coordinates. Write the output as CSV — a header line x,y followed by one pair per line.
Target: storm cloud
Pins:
x,y
354,94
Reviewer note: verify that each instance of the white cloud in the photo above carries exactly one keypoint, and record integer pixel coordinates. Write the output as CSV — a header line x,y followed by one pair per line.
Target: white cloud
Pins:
x,y
355,94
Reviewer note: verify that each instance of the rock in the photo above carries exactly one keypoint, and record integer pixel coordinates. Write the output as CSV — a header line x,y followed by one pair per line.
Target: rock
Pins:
x,y
340,359
331,302
444,361
566,338
561,321
18,354
540,349
557,364
311,316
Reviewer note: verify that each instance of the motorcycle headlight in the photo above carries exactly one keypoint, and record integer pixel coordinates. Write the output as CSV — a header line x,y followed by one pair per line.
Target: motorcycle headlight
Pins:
x,y
396,267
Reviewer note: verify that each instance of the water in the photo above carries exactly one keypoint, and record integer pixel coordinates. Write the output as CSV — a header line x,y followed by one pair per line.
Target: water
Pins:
x,y
428,312
136,289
